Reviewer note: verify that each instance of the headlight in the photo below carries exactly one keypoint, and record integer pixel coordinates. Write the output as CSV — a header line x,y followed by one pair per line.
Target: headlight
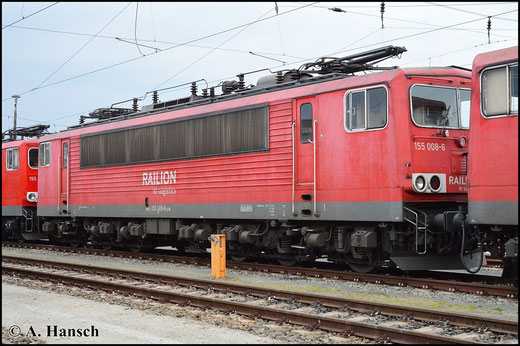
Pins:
x,y
420,183
435,183
462,141
32,196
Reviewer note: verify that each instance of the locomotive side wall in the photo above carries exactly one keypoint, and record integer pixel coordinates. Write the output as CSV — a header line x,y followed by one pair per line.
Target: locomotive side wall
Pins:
x,y
493,155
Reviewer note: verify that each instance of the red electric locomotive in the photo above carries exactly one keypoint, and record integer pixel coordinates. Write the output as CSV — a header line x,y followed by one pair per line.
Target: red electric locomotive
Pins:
x,y
311,162
493,154
20,185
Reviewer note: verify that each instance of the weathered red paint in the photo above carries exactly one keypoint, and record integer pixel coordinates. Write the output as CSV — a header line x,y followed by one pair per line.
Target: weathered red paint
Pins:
x,y
493,152
364,166
16,183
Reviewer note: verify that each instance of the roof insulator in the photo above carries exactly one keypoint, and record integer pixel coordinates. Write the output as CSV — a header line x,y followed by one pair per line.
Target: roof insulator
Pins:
x,y
489,29
382,12
337,9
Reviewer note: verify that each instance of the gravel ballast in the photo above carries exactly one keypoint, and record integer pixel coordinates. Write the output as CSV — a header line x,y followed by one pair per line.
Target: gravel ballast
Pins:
x,y
42,310
265,332
491,306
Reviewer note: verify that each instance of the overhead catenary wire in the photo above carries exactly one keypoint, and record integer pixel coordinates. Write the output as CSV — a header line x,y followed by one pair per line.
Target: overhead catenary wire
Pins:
x,y
143,45
396,39
343,51
471,12
79,50
475,29
405,20
32,14
417,5
427,32
362,38
34,121
153,22
273,53
378,43
211,51
229,77
279,28
153,53
135,27
455,51
128,40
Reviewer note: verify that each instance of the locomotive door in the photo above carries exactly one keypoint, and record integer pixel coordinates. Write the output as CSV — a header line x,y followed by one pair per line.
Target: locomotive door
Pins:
x,y
304,142
64,176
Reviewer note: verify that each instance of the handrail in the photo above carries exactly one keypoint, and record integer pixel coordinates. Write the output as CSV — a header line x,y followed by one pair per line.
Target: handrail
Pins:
x,y
68,177
59,183
293,154
314,164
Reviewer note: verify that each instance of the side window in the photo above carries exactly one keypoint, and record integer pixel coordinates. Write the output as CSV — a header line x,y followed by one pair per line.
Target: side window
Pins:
x,y
465,101
513,77
499,90
376,108
12,158
306,123
45,154
357,111
366,109
65,154
494,91
33,158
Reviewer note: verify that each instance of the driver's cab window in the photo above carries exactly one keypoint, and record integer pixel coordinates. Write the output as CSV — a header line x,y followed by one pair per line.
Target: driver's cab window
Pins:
x,y
33,158
440,107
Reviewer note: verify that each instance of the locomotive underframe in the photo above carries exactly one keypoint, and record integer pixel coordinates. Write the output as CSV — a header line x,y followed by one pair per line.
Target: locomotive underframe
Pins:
x,y
415,244
364,246
23,226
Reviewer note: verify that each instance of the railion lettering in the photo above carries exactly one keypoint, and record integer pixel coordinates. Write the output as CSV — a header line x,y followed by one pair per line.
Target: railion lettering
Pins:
x,y
160,178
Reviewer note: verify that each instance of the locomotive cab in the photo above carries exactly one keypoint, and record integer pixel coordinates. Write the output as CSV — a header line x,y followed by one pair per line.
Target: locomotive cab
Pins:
x,y
20,190
435,168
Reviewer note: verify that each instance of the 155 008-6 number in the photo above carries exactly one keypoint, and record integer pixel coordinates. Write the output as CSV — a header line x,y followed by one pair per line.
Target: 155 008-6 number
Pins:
x,y
430,146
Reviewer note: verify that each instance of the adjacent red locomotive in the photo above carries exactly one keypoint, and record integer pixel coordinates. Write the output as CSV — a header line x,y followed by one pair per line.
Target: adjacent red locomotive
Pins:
x,y
20,189
367,170
493,154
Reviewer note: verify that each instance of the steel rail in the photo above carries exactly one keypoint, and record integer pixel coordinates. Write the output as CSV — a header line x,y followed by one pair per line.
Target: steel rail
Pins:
x,y
494,286
502,326
494,262
298,318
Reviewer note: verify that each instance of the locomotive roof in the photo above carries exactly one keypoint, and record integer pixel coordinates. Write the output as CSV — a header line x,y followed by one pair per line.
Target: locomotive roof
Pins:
x,y
19,143
370,78
495,57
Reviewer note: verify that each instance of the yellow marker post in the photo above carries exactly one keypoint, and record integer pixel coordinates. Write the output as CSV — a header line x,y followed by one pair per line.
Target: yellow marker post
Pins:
x,y
218,256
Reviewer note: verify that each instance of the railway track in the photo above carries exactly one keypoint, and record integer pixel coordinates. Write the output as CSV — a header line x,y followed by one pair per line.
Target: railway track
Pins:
x,y
494,262
444,281
347,316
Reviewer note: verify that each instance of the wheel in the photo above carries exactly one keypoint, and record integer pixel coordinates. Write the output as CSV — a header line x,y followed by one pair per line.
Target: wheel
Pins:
x,y
74,244
136,249
181,250
19,237
362,268
510,267
80,241
238,258
287,262
106,246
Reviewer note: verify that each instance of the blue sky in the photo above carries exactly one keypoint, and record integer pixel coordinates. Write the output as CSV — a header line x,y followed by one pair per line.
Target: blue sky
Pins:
x,y
66,59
